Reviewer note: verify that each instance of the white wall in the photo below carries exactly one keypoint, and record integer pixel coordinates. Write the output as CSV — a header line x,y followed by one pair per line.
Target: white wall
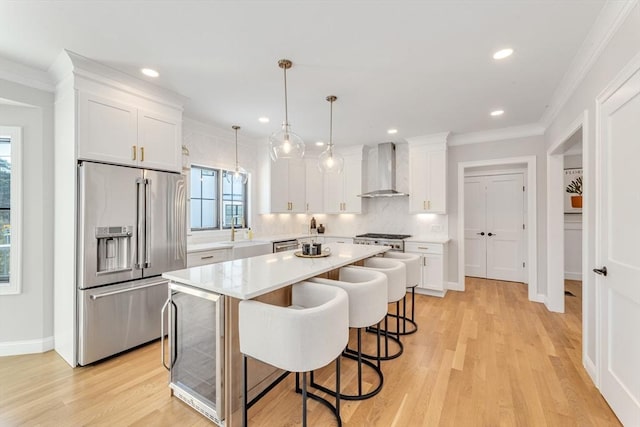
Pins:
x,y
26,320
490,151
622,47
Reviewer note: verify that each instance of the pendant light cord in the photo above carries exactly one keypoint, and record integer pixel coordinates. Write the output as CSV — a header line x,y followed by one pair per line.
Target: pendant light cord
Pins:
x,y
331,127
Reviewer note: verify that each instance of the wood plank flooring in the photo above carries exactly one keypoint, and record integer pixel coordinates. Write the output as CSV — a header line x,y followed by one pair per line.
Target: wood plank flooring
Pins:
x,y
485,357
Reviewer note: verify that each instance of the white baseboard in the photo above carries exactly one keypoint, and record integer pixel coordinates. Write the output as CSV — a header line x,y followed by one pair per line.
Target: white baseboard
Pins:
x,y
431,292
591,369
15,348
573,276
455,286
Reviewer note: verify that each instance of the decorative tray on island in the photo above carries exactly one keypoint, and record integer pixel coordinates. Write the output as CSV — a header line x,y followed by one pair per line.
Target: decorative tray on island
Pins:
x,y
322,255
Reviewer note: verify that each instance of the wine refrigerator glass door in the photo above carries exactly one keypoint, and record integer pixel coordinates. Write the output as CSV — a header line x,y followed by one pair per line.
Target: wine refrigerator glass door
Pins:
x,y
196,347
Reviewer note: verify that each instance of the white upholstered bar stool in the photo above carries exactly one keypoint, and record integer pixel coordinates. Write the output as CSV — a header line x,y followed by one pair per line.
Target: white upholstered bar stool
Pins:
x,y
412,263
396,273
367,290
306,336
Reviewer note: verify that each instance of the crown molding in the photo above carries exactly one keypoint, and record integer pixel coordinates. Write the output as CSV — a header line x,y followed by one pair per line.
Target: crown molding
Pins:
x,y
25,75
70,63
515,132
433,138
611,17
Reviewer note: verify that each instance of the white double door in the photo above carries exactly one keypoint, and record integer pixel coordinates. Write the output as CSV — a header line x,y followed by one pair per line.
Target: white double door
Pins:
x,y
618,234
494,226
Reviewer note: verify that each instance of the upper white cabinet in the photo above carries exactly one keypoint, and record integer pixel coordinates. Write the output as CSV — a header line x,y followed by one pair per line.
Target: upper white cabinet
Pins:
x,y
288,186
114,132
341,190
314,183
428,174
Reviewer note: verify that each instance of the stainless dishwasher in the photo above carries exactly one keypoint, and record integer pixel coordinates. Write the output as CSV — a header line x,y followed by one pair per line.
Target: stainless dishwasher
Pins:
x,y
285,245
196,349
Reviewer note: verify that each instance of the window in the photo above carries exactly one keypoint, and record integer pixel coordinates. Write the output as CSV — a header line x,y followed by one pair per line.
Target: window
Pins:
x,y
216,199
10,197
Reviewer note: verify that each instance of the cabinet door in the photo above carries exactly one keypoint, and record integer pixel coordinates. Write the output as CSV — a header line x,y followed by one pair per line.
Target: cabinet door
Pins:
x,y
436,168
159,142
428,179
314,187
352,175
417,179
297,186
280,186
107,130
432,272
333,193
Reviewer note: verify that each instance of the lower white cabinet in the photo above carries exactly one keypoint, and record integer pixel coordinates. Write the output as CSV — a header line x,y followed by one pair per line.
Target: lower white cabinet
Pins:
x,y
433,259
329,240
212,256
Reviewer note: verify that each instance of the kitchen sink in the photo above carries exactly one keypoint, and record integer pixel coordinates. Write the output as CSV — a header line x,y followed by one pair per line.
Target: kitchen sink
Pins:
x,y
249,248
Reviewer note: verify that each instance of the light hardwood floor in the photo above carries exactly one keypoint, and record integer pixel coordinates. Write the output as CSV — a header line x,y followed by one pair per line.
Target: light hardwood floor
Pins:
x,y
485,357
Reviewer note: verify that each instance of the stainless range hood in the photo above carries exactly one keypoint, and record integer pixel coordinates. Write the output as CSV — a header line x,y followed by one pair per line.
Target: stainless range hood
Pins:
x,y
386,173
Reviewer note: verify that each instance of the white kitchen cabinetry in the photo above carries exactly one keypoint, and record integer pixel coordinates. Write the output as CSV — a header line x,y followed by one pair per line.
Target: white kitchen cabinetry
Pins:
x,y
433,259
115,132
212,256
100,114
328,240
314,183
341,190
428,174
288,186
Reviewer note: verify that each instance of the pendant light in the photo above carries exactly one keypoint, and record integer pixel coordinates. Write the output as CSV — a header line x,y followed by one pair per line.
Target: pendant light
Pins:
x,y
330,162
284,144
239,175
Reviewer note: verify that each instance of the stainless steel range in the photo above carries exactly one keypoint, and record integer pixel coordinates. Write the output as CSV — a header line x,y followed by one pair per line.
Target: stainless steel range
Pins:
x,y
395,241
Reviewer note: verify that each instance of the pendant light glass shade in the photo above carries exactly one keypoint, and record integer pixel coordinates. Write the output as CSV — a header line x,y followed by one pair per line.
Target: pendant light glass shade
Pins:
x,y
329,161
239,175
284,144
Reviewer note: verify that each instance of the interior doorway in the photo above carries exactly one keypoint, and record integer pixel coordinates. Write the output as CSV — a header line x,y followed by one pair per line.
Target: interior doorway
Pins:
x,y
495,225
528,163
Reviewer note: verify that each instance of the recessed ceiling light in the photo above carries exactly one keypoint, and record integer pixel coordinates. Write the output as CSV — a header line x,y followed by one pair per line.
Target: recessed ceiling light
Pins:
x,y
320,144
392,131
149,72
503,53
497,113
263,119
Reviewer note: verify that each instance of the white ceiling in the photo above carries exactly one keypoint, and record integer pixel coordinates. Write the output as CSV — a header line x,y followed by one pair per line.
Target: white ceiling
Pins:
x,y
419,66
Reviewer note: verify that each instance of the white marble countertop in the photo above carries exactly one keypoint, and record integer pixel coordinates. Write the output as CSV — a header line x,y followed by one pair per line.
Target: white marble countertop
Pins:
x,y
251,277
428,239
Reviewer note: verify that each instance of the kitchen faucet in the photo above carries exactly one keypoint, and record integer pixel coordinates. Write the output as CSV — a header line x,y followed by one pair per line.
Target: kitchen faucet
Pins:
x,y
233,230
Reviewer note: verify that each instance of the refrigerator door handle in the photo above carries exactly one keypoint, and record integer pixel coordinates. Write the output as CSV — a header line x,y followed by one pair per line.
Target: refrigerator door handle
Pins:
x,y
122,291
164,307
140,226
147,223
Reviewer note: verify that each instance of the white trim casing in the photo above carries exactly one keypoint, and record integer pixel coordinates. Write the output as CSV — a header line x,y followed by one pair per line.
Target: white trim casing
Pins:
x,y
533,129
532,239
15,251
555,212
15,348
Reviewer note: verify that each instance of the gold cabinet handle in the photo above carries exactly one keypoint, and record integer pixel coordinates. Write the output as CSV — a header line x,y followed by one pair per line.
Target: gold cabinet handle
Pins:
x,y
134,152
423,247
429,204
424,205
142,154
307,206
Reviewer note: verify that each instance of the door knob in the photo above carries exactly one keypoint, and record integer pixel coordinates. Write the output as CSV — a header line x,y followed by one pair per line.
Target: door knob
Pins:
x,y
490,234
481,234
601,271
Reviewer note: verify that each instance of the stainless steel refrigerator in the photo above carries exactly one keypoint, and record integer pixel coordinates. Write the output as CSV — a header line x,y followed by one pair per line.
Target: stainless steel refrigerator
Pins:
x,y
131,229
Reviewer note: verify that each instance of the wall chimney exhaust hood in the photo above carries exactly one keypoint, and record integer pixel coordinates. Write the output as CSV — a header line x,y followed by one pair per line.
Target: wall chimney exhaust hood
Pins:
x,y
386,173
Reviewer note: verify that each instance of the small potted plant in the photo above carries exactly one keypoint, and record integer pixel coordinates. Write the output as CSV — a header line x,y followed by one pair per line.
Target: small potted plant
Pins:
x,y
575,187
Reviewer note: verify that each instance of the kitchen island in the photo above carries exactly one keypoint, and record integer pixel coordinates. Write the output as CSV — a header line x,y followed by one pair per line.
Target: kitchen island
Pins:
x,y
266,278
